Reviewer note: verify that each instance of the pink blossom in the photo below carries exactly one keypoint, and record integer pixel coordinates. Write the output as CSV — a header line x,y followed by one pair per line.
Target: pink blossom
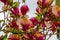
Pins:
x,y
50,11
15,11
39,10
44,3
34,21
54,11
24,9
25,24
29,36
47,18
41,38
13,24
54,26
4,1
43,25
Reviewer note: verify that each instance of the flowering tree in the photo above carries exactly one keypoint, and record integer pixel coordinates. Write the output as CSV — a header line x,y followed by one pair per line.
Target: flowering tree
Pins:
x,y
45,23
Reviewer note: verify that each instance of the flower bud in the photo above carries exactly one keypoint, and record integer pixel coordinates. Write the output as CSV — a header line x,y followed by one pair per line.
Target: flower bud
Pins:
x,y
24,9
38,10
25,24
5,1
13,24
44,3
34,21
15,11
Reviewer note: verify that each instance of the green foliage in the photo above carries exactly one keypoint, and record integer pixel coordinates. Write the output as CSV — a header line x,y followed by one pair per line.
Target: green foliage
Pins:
x,y
58,2
15,4
39,16
14,16
16,31
10,1
5,37
31,30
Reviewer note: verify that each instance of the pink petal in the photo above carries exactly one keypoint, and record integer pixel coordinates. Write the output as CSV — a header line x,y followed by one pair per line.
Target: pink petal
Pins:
x,y
24,9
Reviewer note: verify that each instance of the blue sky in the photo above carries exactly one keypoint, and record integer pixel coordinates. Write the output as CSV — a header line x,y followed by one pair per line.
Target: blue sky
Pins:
x,y
32,6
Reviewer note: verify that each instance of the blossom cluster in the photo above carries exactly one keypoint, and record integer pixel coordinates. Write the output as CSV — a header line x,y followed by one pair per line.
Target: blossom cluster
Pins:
x,y
23,28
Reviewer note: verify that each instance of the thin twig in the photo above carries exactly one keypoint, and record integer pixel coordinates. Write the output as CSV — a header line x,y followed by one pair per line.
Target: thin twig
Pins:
x,y
5,10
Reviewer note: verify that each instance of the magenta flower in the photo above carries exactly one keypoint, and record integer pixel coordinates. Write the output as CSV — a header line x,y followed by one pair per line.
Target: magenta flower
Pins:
x,y
29,36
50,11
24,9
34,21
15,11
13,24
44,3
41,38
39,2
38,10
54,26
43,25
47,18
25,26
54,11
4,1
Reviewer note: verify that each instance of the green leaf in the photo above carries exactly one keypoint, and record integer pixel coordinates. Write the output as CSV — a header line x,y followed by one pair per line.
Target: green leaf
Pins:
x,y
39,16
58,2
14,16
31,30
16,31
10,1
15,4
5,37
